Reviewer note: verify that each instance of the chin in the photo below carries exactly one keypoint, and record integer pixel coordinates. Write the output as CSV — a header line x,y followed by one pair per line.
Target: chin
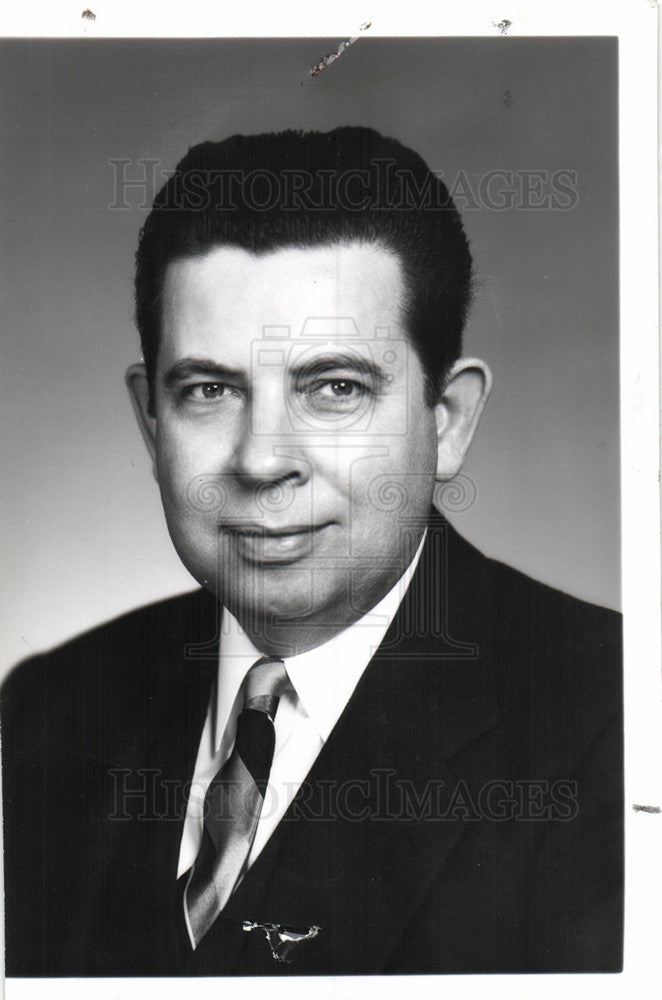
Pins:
x,y
273,591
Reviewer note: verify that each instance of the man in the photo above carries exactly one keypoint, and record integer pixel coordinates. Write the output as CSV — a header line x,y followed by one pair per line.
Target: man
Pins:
x,y
362,747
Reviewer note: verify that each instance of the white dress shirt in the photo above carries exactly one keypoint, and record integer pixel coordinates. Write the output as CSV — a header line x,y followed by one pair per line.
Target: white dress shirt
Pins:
x,y
321,683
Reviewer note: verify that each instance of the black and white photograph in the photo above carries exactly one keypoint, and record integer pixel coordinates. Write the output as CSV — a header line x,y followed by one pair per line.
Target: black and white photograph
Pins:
x,y
313,508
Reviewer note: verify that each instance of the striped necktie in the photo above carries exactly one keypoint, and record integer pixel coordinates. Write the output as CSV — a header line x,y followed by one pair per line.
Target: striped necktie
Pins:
x,y
234,801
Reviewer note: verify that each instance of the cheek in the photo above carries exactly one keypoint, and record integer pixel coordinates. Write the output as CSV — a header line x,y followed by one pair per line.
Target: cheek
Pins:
x,y
397,483
421,441
181,455
170,465
183,495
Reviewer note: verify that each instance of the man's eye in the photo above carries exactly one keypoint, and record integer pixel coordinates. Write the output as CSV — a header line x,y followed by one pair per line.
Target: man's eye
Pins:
x,y
340,387
336,395
202,391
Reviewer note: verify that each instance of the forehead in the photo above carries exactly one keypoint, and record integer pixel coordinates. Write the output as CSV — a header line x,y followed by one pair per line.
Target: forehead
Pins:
x,y
230,296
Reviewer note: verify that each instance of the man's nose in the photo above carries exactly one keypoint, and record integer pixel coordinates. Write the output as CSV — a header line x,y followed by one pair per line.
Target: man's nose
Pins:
x,y
267,450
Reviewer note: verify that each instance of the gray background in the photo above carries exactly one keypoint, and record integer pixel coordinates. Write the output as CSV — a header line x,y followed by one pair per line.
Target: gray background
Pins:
x,y
83,536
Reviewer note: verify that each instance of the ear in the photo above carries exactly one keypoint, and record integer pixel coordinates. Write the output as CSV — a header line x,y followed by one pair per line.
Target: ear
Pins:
x,y
467,387
138,386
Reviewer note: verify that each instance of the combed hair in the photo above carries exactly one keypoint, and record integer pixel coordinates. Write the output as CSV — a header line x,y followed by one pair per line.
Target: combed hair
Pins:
x,y
305,189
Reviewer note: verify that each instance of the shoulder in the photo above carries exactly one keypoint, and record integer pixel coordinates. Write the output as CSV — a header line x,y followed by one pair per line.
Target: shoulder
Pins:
x,y
522,608
556,660
108,659
551,615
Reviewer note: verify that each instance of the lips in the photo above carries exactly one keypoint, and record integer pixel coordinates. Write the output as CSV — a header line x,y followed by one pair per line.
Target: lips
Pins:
x,y
274,545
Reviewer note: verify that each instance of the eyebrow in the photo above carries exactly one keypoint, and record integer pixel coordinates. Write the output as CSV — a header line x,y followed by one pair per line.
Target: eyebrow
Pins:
x,y
188,367
192,367
330,362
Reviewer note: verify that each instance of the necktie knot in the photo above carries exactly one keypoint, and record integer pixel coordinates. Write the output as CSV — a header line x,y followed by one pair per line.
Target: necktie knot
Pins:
x,y
264,684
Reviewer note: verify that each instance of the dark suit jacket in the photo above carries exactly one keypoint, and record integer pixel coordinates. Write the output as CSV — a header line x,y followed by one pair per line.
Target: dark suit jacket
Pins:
x,y
464,816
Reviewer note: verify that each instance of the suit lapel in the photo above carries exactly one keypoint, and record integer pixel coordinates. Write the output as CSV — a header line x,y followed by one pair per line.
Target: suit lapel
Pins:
x,y
364,837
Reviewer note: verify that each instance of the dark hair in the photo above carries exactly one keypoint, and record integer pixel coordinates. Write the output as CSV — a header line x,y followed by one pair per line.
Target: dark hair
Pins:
x,y
301,189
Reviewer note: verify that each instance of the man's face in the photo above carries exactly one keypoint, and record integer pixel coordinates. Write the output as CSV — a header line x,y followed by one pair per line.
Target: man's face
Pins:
x,y
295,452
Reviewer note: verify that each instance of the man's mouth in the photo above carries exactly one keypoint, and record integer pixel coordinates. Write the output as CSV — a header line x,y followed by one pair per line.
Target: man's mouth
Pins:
x,y
259,544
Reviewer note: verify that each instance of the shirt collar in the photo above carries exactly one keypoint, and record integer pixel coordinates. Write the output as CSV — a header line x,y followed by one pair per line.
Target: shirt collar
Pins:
x,y
324,677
